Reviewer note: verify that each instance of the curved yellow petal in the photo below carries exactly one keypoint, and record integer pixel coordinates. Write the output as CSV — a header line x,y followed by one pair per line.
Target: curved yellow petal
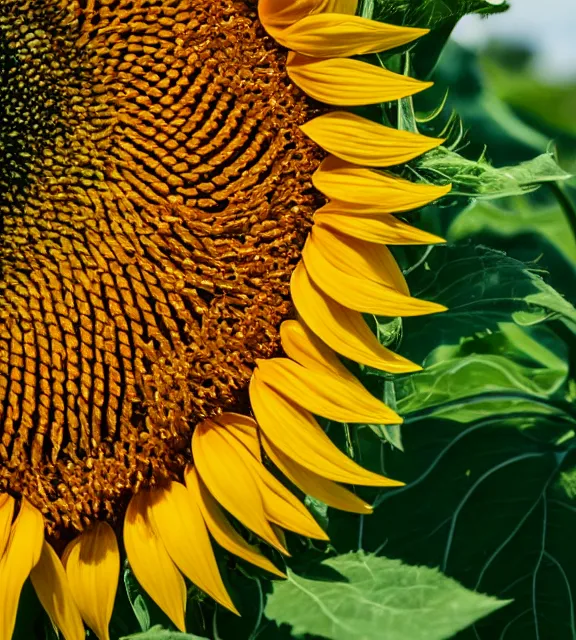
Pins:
x,y
53,590
326,35
221,529
178,522
300,344
151,563
283,508
372,191
314,485
359,292
346,83
323,394
244,429
21,555
359,258
361,141
349,7
342,329
93,570
6,516
278,15
296,433
279,505
222,466
383,228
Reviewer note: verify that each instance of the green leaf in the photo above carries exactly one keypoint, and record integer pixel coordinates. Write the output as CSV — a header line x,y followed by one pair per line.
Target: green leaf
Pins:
x,y
478,178
525,340
440,16
481,288
478,385
431,13
369,597
137,601
519,216
491,503
489,445
158,633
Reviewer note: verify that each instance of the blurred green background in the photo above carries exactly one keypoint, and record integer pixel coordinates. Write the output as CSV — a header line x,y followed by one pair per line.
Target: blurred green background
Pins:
x,y
512,81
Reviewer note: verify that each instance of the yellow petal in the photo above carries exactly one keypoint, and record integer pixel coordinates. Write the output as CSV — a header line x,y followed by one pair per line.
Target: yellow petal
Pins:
x,y
328,35
371,191
314,485
323,394
244,429
283,508
151,564
178,522
51,585
277,15
361,141
221,529
300,344
296,433
6,515
20,557
346,83
221,463
359,258
342,329
349,7
359,292
93,570
383,229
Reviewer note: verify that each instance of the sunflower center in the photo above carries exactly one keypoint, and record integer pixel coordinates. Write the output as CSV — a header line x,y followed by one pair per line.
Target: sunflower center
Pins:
x,y
154,198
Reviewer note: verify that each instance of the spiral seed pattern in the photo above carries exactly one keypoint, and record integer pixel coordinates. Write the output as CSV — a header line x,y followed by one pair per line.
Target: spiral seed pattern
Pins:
x,y
154,198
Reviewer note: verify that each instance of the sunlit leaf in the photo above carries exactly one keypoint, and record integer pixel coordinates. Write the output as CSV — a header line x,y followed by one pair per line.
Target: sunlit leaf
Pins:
x,y
464,389
481,288
369,597
478,178
158,633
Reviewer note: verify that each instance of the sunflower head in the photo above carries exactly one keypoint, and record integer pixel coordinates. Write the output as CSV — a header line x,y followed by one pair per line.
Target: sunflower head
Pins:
x,y
193,225
156,194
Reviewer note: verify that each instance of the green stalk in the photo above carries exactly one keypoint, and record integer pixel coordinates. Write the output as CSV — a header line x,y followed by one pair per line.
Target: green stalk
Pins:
x,y
566,203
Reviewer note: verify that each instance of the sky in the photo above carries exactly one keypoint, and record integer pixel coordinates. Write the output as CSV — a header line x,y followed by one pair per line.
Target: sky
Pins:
x,y
548,25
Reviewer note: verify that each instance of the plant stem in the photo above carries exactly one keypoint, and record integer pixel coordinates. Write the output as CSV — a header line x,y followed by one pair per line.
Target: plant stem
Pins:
x,y
566,203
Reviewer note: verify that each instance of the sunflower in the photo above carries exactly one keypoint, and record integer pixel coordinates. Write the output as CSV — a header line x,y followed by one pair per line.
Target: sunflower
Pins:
x,y
193,225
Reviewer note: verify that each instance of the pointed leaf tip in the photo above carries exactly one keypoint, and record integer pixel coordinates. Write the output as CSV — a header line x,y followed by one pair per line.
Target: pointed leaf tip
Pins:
x,y
377,598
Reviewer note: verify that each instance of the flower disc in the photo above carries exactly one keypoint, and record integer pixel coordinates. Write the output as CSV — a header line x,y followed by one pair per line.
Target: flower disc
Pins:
x,y
155,195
